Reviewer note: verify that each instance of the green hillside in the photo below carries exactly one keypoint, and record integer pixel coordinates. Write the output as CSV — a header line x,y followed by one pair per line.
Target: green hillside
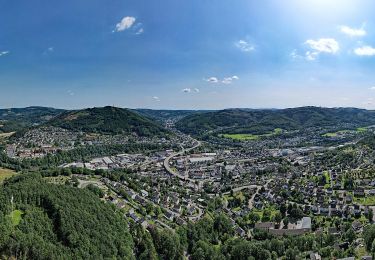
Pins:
x,y
163,115
48,221
263,121
15,119
108,120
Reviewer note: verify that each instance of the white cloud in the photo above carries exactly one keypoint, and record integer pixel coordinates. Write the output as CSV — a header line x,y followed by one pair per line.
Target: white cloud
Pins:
x,y
156,98
311,55
70,93
190,90
327,45
49,50
372,88
294,55
226,80
2,53
323,45
353,32
212,80
244,46
140,31
229,80
125,23
365,51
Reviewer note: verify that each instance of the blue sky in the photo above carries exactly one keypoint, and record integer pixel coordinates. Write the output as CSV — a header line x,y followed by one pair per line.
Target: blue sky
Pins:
x,y
196,54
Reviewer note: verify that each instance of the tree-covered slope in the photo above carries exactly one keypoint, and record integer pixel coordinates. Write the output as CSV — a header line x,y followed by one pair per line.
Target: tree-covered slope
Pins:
x,y
47,221
260,121
163,115
14,119
108,120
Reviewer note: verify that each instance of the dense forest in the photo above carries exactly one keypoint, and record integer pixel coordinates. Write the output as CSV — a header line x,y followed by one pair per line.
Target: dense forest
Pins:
x,y
45,221
108,120
263,121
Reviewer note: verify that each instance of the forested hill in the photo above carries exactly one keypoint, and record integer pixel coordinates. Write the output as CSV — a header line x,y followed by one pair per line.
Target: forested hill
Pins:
x,y
163,115
260,121
47,221
14,119
108,120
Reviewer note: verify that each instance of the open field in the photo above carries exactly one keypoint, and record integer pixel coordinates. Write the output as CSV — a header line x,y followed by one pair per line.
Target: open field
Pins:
x,y
6,173
16,216
4,135
241,137
367,201
361,129
247,137
334,134
342,132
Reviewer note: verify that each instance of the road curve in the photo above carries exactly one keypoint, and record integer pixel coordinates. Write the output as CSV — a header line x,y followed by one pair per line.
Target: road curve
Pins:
x,y
169,169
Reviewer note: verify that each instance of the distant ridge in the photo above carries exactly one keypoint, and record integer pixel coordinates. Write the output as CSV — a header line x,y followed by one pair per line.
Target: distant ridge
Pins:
x,y
261,121
15,119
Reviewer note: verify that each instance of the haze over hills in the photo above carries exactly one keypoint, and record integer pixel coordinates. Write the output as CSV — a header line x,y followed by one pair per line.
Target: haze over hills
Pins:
x,y
261,121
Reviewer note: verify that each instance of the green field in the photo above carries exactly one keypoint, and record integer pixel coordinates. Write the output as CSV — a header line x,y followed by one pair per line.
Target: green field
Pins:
x,y
328,180
367,201
241,137
361,129
249,137
16,216
6,173
334,134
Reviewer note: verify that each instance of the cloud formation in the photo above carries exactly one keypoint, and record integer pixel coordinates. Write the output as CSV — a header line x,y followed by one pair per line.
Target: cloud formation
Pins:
x,y
156,98
353,32
229,80
189,90
327,45
226,80
212,80
140,31
323,45
244,46
365,51
125,23
4,53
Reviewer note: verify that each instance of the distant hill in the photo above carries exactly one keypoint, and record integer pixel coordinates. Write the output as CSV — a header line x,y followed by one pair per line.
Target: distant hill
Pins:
x,y
163,115
108,120
15,119
261,121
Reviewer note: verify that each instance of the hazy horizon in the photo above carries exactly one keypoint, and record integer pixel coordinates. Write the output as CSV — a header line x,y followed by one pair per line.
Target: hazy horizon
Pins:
x,y
170,109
